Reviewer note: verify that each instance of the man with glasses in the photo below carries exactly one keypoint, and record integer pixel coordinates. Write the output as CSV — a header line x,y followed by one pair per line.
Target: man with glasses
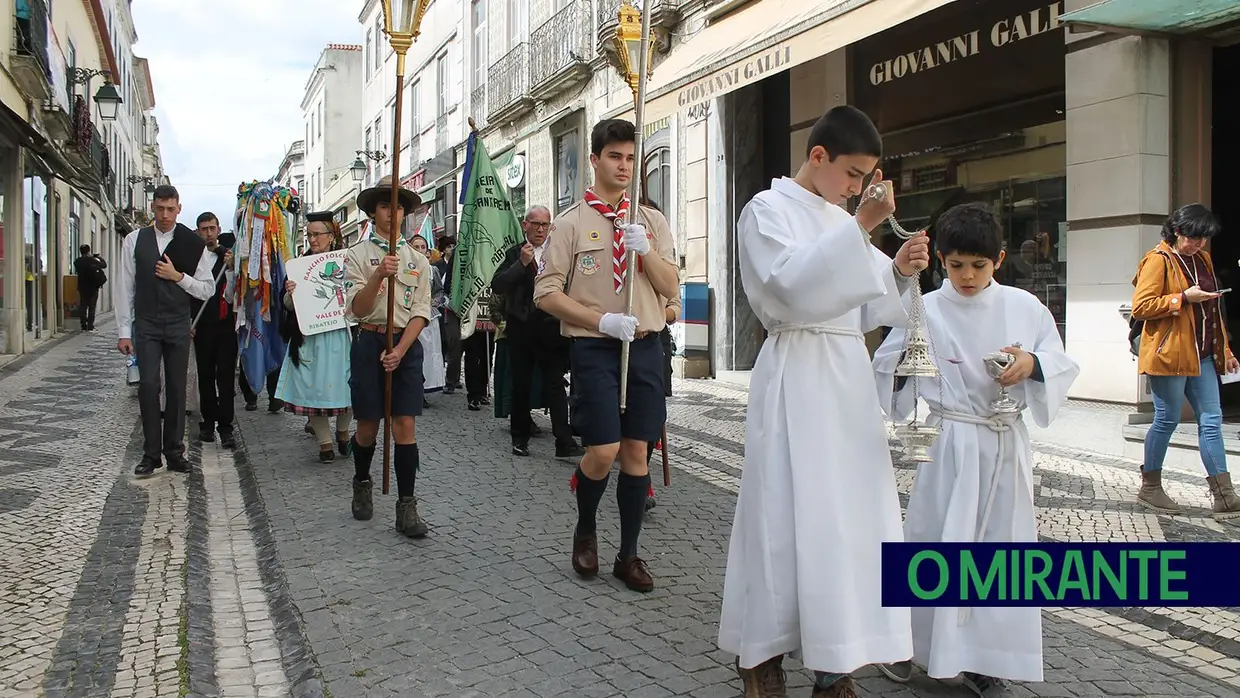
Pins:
x,y
534,339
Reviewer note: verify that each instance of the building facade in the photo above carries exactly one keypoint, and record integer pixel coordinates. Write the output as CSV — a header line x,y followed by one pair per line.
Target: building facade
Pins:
x,y
1082,141
57,173
292,174
331,115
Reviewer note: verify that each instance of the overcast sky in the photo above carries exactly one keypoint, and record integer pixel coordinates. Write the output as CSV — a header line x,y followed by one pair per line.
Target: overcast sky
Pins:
x,y
229,78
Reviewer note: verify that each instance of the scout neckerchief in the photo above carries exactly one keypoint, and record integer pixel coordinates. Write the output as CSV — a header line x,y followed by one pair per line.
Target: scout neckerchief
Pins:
x,y
382,242
618,257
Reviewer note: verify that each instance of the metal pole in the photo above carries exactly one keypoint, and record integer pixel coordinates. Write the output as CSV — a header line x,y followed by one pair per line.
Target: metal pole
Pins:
x,y
393,237
639,107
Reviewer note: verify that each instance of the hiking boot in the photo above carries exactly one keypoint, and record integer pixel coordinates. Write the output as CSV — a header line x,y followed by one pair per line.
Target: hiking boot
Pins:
x,y
363,504
1152,496
1226,503
985,686
843,687
767,680
408,521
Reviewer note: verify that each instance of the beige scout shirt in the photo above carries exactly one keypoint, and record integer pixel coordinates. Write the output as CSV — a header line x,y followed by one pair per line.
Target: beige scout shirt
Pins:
x,y
578,261
413,282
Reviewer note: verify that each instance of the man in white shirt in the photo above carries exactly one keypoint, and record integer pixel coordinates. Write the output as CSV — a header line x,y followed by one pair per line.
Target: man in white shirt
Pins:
x,y
162,267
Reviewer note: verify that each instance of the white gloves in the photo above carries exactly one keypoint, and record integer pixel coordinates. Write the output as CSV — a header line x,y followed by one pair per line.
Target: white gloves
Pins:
x,y
635,239
619,326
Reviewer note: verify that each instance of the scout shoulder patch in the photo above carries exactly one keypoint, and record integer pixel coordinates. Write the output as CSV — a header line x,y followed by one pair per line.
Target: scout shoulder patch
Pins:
x,y
588,265
594,236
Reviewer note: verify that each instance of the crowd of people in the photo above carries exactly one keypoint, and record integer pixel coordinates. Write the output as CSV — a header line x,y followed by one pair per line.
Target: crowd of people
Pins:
x,y
818,491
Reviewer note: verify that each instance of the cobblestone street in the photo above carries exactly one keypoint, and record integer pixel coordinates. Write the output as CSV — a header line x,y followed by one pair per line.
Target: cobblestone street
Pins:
x,y
249,577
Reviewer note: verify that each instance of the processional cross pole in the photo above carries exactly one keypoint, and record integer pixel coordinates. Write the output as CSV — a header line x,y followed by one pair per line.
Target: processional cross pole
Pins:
x,y
402,24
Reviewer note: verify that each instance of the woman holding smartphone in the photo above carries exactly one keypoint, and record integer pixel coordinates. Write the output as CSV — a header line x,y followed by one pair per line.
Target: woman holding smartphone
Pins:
x,y
1184,349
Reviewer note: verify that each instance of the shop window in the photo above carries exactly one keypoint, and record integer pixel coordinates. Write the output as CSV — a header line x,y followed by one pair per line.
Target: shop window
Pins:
x,y
567,171
657,179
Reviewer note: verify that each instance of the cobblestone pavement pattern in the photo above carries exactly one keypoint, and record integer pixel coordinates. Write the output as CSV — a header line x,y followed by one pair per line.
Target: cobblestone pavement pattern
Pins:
x,y
249,577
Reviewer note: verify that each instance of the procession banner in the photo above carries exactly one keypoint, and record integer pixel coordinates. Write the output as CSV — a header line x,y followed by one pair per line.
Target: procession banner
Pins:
x,y
318,297
488,228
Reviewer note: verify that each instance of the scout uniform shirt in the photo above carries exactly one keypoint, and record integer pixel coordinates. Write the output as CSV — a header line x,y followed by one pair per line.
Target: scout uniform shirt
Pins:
x,y
578,262
413,284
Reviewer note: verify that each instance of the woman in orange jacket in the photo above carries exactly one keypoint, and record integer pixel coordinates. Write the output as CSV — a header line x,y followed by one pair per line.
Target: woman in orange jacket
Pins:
x,y
1183,344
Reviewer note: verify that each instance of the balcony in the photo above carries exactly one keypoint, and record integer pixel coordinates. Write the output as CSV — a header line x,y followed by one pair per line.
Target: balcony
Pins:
x,y
415,151
508,85
31,65
667,14
87,153
561,53
441,133
478,105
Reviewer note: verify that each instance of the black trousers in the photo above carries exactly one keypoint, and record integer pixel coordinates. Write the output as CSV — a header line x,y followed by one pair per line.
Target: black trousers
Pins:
x,y
528,348
251,397
215,351
162,347
450,334
88,298
478,348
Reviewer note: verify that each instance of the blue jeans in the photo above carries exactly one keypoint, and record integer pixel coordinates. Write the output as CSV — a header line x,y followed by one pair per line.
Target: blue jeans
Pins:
x,y
1203,394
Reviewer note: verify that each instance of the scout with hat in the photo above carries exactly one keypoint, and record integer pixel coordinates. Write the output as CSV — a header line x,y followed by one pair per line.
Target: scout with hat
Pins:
x,y
372,270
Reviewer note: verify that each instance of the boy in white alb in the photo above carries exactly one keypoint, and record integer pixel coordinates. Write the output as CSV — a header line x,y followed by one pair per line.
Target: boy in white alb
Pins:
x,y
979,487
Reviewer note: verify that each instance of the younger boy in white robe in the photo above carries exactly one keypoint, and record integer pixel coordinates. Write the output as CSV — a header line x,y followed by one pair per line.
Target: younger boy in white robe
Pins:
x,y
979,487
818,492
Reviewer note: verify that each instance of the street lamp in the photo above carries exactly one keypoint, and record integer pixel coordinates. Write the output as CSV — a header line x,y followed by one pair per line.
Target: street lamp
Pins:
x,y
359,167
628,44
109,100
402,24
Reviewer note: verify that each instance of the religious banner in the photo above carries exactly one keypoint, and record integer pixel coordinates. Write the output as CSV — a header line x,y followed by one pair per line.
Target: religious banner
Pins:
x,y
318,296
488,228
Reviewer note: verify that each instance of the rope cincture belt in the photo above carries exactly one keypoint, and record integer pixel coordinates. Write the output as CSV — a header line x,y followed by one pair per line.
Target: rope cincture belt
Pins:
x,y
1002,426
814,327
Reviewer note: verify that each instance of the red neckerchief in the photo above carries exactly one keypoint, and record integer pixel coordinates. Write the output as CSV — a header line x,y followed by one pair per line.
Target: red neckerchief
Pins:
x,y
618,254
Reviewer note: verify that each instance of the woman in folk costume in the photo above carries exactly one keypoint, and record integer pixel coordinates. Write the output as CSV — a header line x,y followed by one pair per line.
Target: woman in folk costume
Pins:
x,y
314,379
433,369
979,487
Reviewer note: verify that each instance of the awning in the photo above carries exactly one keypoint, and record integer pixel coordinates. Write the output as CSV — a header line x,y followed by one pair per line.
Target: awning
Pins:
x,y
1171,17
762,39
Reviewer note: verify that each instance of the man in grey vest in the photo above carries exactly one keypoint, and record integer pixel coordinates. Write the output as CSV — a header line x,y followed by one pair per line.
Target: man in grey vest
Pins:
x,y
162,267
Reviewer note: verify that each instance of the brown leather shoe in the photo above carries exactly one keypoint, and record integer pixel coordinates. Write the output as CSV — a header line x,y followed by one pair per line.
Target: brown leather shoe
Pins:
x,y
844,687
767,680
585,555
634,573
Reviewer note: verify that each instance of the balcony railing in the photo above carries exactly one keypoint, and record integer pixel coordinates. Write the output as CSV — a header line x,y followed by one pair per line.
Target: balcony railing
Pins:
x,y
32,66
667,13
478,105
562,50
441,133
508,84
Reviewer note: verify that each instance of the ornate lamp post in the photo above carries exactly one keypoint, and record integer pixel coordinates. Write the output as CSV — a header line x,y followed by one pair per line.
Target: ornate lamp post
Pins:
x,y
402,22
635,50
359,167
108,99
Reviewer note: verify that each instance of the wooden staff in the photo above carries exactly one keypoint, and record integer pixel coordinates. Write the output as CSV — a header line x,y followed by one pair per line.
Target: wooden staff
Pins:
x,y
639,104
393,238
667,469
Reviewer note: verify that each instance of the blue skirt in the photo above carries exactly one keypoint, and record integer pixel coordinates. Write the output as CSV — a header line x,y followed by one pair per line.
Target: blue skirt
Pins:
x,y
321,382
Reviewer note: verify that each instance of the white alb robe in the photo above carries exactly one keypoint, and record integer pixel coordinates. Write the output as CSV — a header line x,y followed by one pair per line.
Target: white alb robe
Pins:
x,y
818,492
978,463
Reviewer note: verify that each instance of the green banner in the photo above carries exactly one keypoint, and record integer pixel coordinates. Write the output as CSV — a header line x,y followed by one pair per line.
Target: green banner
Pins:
x,y
488,227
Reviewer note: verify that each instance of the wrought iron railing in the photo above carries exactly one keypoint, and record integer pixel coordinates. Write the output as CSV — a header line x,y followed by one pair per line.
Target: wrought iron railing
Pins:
x,y
31,35
478,105
441,133
561,42
509,79
608,11
101,162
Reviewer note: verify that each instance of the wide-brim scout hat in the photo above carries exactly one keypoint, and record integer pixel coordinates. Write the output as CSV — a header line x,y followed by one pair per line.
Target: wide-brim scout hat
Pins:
x,y
370,198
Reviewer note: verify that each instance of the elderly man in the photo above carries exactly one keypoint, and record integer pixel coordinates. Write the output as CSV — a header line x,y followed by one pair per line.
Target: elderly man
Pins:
x,y
534,339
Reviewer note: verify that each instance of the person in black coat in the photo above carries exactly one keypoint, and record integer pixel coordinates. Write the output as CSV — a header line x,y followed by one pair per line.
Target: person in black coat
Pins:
x,y
89,269
534,339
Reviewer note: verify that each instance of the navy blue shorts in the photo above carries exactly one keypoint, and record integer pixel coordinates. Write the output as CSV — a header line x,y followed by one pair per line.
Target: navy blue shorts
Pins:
x,y
367,377
595,412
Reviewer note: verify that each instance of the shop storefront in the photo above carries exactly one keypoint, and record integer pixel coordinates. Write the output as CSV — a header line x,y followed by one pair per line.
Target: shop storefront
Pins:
x,y
970,101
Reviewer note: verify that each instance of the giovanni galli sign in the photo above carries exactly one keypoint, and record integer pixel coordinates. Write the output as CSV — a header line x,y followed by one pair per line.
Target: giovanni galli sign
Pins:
x,y
1002,33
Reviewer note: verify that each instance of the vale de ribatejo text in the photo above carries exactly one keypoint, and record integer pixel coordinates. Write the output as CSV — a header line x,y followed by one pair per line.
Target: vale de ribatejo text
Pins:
x,y
1061,574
